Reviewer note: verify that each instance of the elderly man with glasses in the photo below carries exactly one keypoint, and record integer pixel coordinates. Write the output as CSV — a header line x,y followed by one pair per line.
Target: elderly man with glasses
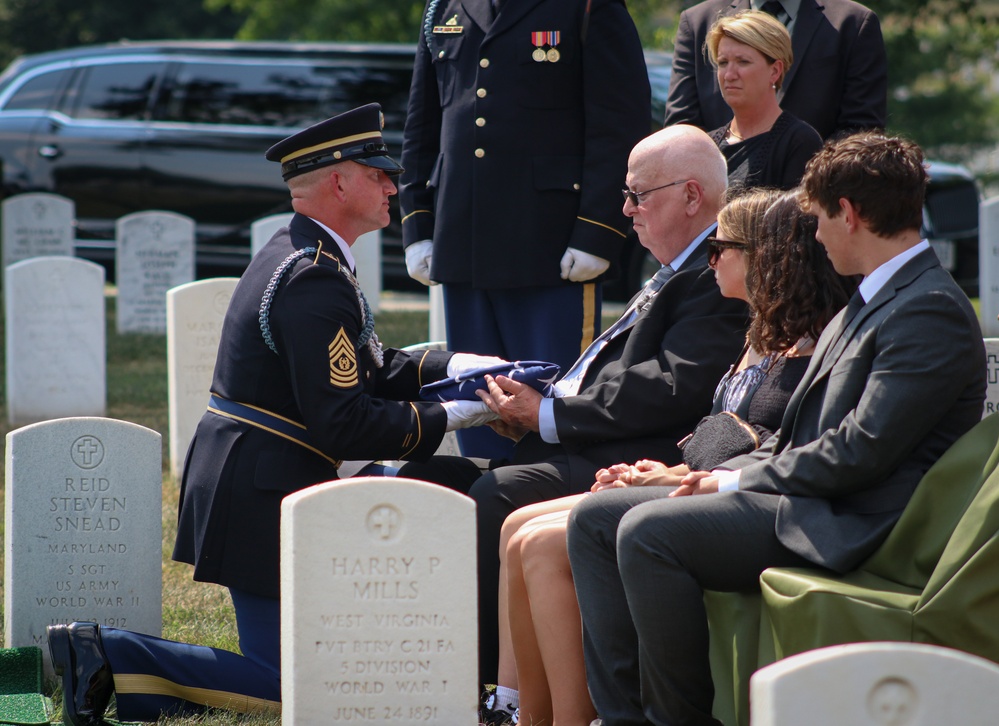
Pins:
x,y
640,387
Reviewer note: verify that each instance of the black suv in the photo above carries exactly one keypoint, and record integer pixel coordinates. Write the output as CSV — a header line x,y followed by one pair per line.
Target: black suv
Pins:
x,y
182,127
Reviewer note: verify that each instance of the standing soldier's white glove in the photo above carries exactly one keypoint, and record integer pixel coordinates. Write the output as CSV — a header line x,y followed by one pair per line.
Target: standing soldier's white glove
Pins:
x,y
418,257
579,266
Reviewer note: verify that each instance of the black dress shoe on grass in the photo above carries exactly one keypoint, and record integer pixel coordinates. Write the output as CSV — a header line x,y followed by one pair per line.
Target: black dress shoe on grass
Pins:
x,y
87,682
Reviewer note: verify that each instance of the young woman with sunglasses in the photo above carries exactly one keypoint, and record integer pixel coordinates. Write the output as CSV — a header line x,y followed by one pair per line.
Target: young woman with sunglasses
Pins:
x,y
764,252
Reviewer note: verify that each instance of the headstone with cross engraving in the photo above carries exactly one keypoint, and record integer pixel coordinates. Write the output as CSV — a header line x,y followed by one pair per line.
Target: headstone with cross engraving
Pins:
x,y
83,527
54,337
37,225
378,604
155,252
992,367
876,684
194,323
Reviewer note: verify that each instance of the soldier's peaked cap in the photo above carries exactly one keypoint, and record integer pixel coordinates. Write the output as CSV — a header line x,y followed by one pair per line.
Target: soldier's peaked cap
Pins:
x,y
354,135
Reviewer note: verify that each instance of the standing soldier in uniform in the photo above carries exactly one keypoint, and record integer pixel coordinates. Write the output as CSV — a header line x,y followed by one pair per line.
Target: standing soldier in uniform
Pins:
x,y
521,117
300,383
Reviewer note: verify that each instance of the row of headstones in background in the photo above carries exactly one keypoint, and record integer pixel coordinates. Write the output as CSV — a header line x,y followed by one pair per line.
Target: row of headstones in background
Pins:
x,y
154,252
83,528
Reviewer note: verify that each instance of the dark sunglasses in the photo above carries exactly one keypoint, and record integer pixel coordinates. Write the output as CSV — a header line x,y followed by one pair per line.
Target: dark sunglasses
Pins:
x,y
715,247
636,197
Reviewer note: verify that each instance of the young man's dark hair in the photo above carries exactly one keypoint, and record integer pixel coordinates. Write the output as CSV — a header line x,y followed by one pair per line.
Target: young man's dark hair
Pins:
x,y
885,178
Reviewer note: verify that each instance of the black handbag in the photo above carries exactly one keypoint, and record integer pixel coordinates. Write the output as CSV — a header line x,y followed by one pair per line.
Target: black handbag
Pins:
x,y
718,438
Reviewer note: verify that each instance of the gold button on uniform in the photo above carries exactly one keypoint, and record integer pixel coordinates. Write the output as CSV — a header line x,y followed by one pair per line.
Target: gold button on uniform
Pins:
x,y
484,63
479,153
480,121
576,186
441,54
481,93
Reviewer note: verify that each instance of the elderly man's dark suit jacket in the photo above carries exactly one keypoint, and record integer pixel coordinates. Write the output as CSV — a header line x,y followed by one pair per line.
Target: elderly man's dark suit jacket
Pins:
x,y
236,474
879,404
837,84
651,384
509,160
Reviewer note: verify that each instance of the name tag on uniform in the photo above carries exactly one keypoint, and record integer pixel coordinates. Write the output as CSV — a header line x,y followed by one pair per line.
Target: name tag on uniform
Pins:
x,y
451,26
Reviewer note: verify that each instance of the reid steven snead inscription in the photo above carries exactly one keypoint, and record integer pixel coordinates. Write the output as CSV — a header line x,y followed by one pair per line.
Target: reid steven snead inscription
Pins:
x,y
83,528
378,604
37,225
55,352
194,323
154,252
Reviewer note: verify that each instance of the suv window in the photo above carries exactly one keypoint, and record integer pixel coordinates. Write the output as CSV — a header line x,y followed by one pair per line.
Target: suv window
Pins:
x,y
39,93
271,94
118,91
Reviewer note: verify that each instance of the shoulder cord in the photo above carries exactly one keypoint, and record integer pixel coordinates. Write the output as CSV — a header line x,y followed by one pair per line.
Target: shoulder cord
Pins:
x,y
268,297
428,23
367,336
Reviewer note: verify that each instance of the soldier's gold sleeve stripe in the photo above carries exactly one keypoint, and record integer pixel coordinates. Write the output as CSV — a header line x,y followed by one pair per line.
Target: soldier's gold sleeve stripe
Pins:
x,y
343,361
156,686
618,232
418,211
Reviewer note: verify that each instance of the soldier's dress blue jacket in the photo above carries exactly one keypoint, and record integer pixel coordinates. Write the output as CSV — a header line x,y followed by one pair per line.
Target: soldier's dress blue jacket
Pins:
x,y
322,380
510,160
515,148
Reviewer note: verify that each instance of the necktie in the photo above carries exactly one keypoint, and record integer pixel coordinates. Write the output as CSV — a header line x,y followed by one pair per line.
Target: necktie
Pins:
x,y
569,385
773,7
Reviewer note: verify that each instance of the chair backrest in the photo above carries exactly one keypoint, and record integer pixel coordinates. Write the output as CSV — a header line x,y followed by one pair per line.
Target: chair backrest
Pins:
x,y
882,684
951,489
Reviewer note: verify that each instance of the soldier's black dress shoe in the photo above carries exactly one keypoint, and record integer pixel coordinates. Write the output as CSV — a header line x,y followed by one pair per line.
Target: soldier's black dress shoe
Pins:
x,y
87,683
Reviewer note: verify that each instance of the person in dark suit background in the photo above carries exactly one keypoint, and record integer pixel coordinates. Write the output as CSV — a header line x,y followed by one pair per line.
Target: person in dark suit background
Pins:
x,y
838,83
640,387
895,379
521,117
301,382
765,146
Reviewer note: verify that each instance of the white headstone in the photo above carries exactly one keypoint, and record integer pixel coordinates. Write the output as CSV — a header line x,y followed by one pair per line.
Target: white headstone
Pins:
x,y
367,252
155,252
876,684
83,528
378,604
992,382
263,229
55,337
194,324
988,265
37,225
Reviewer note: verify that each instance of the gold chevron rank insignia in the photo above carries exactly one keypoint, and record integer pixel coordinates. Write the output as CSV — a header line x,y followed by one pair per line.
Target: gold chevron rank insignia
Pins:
x,y
343,362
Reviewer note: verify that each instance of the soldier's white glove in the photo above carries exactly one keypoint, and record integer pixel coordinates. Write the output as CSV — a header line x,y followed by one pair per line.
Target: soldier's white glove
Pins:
x,y
465,362
464,414
418,257
579,266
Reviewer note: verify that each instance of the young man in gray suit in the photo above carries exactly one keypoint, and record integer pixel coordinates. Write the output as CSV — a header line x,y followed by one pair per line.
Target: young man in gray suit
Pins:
x,y
896,378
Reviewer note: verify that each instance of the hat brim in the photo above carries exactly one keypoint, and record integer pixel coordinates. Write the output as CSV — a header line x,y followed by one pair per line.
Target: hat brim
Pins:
x,y
386,163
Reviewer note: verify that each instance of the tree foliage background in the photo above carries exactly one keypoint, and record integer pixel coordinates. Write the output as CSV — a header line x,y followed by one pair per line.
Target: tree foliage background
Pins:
x,y
942,54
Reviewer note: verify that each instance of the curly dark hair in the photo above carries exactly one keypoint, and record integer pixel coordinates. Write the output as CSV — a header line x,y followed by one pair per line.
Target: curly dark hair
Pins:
x,y
793,289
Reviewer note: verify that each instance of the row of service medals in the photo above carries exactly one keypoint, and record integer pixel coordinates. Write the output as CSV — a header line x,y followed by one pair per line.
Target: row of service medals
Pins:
x,y
541,38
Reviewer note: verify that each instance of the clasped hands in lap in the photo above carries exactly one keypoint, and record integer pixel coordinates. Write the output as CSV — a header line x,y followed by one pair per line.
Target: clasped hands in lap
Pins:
x,y
648,473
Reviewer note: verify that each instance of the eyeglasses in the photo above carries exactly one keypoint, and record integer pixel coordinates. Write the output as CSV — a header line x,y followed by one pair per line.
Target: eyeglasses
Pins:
x,y
715,247
636,197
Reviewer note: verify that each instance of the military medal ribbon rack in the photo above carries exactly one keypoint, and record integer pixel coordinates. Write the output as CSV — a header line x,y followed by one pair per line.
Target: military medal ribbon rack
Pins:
x,y
542,38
